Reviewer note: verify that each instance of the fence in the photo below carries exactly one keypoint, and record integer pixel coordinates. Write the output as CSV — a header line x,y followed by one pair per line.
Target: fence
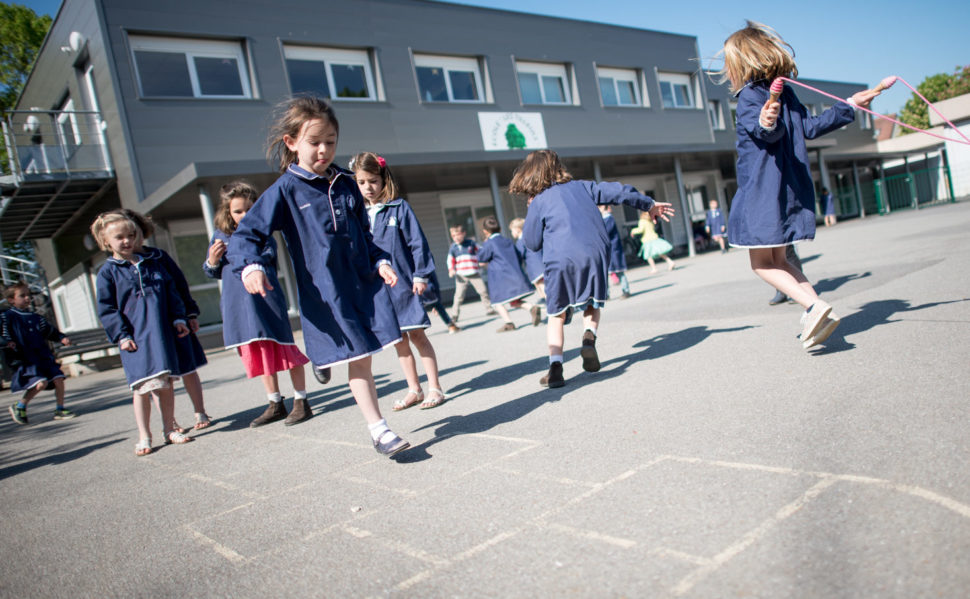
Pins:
x,y
896,192
54,142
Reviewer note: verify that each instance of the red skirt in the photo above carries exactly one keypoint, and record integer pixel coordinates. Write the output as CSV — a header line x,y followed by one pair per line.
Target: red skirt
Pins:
x,y
269,357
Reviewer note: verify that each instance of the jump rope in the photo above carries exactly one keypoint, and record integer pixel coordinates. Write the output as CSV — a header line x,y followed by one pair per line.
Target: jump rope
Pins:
x,y
777,85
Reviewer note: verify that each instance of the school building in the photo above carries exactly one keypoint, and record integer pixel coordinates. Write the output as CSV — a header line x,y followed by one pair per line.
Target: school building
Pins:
x,y
154,106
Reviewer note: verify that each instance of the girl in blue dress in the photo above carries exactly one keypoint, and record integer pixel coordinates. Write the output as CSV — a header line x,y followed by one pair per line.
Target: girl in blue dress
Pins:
x,y
775,202
143,314
257,327
396,231
340,273
564,223
507,284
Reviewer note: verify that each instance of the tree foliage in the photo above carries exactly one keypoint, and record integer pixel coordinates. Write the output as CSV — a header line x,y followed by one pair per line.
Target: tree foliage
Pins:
x,y
21,33
935,88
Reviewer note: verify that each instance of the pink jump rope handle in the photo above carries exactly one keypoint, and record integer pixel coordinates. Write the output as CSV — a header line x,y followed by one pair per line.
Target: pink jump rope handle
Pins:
x,y
775,91
885,83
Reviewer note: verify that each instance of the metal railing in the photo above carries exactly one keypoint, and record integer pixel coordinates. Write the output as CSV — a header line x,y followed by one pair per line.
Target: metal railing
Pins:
x,y
54,142
14,269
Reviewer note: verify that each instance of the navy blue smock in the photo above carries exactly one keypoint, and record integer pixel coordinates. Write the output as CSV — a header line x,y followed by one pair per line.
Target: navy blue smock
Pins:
x,y
344,306
531,260
506,281
188,349
32,360
714,221
775,202
247,317
565,224
396,231
617,257
139,301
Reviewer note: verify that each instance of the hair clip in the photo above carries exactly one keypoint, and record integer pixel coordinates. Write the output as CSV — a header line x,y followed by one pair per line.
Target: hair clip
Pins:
x,y
381,162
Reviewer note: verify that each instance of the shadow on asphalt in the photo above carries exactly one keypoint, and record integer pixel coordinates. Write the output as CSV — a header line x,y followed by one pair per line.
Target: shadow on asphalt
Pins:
x,y
485,420
57,455
869,316
827,285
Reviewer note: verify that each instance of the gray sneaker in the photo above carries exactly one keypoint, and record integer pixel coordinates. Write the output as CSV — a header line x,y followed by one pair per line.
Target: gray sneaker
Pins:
x,y
19,415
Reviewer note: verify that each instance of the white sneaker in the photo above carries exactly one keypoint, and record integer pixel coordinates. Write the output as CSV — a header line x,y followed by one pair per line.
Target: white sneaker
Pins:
x,y
812,320
829,324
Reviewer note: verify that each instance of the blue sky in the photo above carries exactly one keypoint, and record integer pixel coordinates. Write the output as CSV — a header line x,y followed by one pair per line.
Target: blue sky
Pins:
x,y
860,42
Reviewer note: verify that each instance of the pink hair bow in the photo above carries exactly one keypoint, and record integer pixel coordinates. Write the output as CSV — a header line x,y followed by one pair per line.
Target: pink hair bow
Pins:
x,y
382,162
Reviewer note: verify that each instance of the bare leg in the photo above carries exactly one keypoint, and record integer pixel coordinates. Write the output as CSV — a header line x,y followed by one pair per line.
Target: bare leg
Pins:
x,y
193,386
653,266
59,392
166,404
428,357
364,390
297,377
32,392
143,414
271,383
591,318
770,264
554,334
502,312
670,263
408,364
541,287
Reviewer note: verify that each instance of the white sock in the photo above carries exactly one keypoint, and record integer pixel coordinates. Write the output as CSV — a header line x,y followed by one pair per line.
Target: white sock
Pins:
x,y
378,428
274,397
301,394
591,330
555,358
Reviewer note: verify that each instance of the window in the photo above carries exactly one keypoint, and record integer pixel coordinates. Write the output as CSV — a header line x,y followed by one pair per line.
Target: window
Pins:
x,y
448,78
675,89
619,87
866,121
189,68
717,118
330,73
543,83
67,125
733,106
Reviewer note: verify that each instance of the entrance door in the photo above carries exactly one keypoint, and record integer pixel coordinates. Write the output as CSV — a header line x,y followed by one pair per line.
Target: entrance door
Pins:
x,y
468,208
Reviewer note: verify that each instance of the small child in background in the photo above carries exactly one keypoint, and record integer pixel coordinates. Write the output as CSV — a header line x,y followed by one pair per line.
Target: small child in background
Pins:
x,y
507,284
652,245
258,327
431,298
564,223
142,313
531,260
828,207
396,230
714,224
463,267
617,267
24,335
189,350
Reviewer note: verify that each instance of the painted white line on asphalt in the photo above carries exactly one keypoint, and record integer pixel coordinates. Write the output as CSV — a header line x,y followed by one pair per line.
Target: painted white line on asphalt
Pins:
x,y
219,548
751,537
370,483
592,535
222,485
685,557
539,476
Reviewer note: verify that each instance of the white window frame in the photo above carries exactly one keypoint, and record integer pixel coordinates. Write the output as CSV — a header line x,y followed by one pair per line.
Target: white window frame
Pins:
x,y
673,79
340,56
733,111
193,48
448,64
631,76
716,115
546,69
67,117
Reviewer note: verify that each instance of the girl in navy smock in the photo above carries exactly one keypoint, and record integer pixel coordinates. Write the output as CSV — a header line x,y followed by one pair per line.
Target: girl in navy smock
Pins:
x,y
617,266
340,273
507,284
396,231
257,327
188,348
775,202
714,224
143,314
24,336
565,224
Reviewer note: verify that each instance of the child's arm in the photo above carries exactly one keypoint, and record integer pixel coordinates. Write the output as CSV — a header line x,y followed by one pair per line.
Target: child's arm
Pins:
x,y
751,102
451,261
834,117
532,229
51,333
116,326
182,289
215,259
251,237
420,250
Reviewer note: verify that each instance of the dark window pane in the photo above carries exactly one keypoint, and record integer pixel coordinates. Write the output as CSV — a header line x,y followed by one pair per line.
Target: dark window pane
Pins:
x,y
463,85
627,94
218,76
683,96
307,77
552,87
349,81
431,84
163,74
667,93
529,84
608,92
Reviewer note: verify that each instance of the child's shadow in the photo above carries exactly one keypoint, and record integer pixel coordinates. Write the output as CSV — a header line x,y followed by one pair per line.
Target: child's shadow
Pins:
x,y
489,418
503,376
58,455
826,285
871,315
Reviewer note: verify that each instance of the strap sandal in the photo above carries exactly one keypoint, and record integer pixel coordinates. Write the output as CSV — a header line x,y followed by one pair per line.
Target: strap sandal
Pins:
x,y
177,428
412,398
202,421
143,447
177,438
436,397
388,444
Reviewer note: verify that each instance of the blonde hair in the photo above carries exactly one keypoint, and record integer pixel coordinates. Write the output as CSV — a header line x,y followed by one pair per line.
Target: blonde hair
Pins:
x,y
539,171
516,225
230,191
370,162
756,53
106,219
292,114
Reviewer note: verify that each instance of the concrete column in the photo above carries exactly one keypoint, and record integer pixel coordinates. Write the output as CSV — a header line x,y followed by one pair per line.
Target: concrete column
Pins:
x,y
684,209
858,189
497,198
823,170
208,212
597,173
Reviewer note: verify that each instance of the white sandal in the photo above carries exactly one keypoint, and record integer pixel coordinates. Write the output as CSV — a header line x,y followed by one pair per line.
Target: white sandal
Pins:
x,y
407,402
143,447
176,438
436,401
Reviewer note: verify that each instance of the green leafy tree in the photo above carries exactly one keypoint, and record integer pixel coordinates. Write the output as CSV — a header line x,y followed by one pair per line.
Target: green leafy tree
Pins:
x,y
935,88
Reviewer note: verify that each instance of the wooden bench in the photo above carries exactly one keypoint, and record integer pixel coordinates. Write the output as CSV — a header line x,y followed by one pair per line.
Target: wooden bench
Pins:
x,y
82,342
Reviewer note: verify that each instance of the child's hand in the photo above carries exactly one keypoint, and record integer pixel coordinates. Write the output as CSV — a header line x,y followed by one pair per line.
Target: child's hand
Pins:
x,y
65,341
769,114
216,251
661,210
387,273
864,98
419,288
256,282
181,330
129,345
11,345
451,274
194,325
